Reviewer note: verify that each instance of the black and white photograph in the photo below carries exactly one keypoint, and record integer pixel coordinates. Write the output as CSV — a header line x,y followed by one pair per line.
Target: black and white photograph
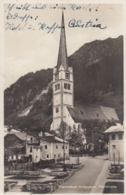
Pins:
x,y
63,97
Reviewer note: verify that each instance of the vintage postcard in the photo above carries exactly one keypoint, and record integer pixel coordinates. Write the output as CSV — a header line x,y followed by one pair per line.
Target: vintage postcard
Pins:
x,y
63,67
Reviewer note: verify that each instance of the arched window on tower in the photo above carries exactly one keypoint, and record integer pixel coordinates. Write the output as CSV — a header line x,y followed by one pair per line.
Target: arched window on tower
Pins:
x,y
57,86
66,86
69,86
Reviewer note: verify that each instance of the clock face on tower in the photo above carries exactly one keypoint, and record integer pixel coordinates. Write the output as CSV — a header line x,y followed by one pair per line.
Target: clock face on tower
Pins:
x,y
56,76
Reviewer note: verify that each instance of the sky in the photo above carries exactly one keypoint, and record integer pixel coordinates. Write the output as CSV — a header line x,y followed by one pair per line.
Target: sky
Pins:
x,y
31,50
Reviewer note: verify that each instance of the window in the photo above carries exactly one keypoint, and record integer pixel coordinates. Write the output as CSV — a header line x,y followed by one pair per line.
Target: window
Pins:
x,y
120,136
58,155
67,75
57,86
45,146
113,146
69,86
30,149
54,155
74,127
62,147
79,126
66,147
57,109
66,86
47,156
113,136
56,147
31,139
56,76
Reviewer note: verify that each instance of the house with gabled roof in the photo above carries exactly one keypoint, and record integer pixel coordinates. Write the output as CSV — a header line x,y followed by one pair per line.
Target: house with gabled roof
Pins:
x,y
116,144
50,147
43,147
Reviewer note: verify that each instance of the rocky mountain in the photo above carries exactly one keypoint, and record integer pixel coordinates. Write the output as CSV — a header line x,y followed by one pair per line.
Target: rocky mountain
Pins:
x,y
98,79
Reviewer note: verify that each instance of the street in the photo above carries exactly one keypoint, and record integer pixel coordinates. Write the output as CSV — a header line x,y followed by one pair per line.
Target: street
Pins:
x,y
84,180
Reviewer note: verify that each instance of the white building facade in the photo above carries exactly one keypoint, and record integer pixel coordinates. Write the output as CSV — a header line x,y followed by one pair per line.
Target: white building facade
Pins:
x,y
50,149
116,143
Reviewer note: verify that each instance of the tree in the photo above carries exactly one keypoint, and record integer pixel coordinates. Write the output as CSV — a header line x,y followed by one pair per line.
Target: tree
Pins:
x,y
76,139
64,131
94,132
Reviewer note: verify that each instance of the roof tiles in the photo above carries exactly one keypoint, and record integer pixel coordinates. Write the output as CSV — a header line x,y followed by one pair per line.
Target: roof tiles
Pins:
x,y
92,112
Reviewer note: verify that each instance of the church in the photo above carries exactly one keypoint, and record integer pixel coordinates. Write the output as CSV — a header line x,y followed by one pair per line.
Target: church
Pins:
x,y
63,94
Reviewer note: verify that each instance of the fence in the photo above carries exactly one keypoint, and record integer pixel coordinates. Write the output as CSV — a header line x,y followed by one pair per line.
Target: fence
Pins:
x,y
88,154
18,166
29,165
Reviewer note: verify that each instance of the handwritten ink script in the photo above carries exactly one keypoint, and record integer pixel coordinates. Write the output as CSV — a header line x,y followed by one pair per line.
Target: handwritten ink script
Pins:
x,y
79,24
28,17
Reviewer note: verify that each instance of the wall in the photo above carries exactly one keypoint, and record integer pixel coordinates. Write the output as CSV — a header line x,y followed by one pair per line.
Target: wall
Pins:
x,y
51,150
119,151
65,94
44,151
68,99
13,157
59,153
36,155
28,152
28,146
68,119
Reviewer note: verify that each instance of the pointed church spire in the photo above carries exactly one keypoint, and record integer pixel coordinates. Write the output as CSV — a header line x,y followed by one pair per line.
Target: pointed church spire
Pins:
x,y
62,56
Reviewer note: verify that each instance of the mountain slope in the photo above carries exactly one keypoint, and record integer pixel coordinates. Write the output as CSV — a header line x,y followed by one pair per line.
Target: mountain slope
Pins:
x,y
98,79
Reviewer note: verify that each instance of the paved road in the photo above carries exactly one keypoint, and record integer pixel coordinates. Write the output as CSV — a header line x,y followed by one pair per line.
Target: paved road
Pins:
x,y
101,179
83,180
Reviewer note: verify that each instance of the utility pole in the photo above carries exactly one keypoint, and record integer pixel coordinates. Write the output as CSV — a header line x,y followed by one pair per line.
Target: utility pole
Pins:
x,y
26,140
78,149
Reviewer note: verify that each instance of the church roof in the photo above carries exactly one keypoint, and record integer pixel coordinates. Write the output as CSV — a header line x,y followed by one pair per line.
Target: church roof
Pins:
x,y
62,56
93,112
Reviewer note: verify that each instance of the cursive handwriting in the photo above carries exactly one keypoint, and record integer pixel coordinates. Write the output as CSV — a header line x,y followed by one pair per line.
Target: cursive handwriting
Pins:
x,y
58,7
15,16
27,16
18,27
50,29
79,24
39,6
24,7
75,7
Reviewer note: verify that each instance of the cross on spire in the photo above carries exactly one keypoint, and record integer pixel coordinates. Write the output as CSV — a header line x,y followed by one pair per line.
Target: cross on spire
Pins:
x,y
62,56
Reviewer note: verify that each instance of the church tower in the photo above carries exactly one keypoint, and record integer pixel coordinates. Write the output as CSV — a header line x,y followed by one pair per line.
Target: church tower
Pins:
x,y
63,85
